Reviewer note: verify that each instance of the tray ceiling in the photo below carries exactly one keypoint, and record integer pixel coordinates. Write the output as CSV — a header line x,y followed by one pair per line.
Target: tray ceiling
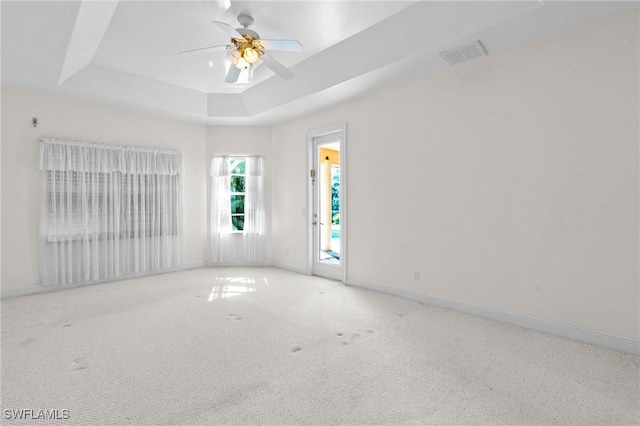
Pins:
x,y
125,53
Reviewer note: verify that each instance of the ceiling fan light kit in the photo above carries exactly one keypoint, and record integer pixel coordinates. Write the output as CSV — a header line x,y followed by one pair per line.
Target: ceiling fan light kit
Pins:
x,y
247,51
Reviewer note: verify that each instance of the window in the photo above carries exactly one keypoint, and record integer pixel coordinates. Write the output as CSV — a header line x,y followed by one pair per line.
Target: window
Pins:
x,y
81,205
108,211
238,227
237,190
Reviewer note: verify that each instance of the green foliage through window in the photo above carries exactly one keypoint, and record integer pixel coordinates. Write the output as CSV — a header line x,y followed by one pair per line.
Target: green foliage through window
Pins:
x,y
237,189
335,195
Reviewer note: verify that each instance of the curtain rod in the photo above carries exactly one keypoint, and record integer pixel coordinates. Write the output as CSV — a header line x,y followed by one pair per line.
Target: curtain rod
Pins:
x,y
62,141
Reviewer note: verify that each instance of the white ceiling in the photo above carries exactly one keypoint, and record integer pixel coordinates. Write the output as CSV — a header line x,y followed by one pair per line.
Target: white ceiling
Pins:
x,y
125,53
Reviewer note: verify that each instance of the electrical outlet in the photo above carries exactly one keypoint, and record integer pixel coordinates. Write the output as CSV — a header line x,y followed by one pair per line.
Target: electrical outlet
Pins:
x,y
416,275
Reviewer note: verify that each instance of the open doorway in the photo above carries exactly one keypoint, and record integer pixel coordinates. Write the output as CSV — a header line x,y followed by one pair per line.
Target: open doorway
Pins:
x,y
327,228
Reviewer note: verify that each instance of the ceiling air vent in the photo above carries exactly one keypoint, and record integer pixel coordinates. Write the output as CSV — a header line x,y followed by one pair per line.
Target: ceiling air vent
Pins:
x,y
464,53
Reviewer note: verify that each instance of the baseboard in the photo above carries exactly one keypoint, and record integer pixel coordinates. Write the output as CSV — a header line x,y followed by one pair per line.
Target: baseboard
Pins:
x,y
289,267
538,324
23,290
194,265
239,264
26,290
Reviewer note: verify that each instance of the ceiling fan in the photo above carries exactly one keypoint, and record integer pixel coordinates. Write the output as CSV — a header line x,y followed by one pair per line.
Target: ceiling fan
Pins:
x,y
247,50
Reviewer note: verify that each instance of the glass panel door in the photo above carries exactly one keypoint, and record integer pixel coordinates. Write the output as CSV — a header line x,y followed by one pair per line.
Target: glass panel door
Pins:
x,y
327,207
329,204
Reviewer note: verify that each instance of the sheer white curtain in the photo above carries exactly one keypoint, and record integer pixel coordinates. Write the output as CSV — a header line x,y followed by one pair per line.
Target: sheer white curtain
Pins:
x,y
108,211
222,249
254,236
247,246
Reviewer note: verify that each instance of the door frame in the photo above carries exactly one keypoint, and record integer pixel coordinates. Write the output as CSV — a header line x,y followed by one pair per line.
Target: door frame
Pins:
x,y
311,229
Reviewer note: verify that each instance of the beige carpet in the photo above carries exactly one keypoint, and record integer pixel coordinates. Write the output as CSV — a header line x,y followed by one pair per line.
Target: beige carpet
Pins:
x,y
265,346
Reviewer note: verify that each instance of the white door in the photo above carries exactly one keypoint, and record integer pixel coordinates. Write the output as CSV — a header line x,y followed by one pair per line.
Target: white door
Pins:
x,y
328,207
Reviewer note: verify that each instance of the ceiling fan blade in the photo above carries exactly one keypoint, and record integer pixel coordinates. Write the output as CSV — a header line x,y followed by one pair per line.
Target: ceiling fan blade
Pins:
x,y
285,45
228,29
202,49
277,67
224,4
232,74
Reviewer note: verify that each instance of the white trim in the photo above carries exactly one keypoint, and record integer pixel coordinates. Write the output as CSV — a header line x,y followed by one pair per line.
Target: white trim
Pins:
x,y
194,265
292,268
26,290
310,205
344,208
239,264
538,324
312,137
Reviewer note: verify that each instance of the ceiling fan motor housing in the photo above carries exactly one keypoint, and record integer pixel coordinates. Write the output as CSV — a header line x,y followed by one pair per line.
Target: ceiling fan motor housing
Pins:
x,y
245,20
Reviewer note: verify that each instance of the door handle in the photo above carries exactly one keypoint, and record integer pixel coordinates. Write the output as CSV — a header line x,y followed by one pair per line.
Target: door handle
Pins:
x,y
314,223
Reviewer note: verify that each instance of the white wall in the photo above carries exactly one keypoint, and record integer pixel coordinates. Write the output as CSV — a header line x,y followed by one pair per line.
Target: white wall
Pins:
x,y
514,183
511,182
240,141
63,118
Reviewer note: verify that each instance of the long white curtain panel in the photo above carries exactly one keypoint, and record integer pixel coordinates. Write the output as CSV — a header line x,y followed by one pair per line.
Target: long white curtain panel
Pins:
x,y
108,211
238,228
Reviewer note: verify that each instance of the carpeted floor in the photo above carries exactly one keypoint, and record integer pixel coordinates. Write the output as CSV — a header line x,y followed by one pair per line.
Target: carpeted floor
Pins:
x,y
265,346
